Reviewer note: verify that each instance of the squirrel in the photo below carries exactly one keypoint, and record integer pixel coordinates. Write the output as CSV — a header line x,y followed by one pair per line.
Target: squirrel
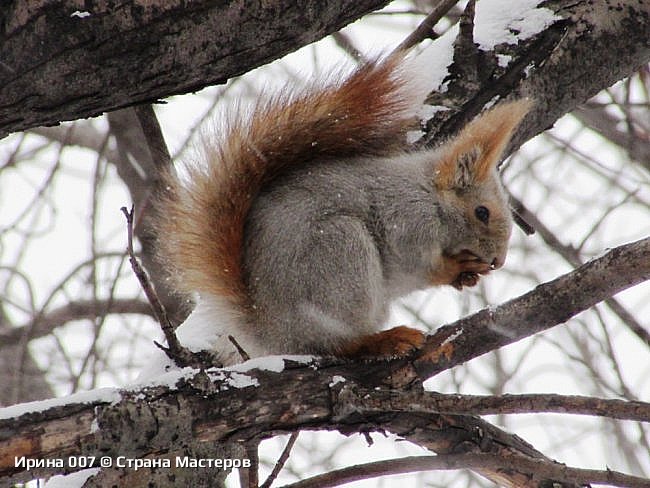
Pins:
x,y
302,223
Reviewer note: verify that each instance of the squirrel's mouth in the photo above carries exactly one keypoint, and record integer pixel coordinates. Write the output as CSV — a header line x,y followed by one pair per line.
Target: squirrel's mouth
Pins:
x,y
477,263
472,266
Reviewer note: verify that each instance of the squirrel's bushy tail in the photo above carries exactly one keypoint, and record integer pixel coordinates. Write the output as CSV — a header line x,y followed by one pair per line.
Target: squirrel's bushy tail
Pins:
x,y
201,214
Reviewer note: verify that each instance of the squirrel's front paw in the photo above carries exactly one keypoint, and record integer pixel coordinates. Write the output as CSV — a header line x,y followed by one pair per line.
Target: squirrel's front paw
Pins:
x,y
470,267
395,342
465,278
459,270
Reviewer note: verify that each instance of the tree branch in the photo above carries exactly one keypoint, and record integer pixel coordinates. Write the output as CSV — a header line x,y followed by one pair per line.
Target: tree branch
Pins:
x,y
552,471
240,405
559,68
281,461
59,66
377,400
158,150
225,405
549,304
43,47
425,29
46,322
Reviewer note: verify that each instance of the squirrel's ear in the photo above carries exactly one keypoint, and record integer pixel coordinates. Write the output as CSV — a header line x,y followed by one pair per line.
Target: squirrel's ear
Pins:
x,y
468,158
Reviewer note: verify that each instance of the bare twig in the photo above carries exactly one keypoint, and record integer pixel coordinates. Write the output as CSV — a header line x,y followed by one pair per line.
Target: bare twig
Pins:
x,y
175,351
244,355
345,43
572,256
543,470
600,120
425,29
375,400
522,223
249,477
281,461
46,322
85,135
153,136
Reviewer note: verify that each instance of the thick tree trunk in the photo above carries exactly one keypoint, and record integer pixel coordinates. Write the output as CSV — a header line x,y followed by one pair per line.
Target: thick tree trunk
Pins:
x,y
59,61
591,46
62,63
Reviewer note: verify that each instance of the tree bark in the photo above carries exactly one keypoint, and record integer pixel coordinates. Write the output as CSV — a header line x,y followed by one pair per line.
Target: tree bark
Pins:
x,y
59,61
594,45
58,65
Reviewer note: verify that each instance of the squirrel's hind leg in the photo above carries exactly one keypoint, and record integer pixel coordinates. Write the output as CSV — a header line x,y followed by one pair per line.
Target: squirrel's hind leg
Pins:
x,y
395,342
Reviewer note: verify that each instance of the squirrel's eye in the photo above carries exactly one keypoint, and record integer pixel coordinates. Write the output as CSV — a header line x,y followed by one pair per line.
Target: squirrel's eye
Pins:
x,y
482,213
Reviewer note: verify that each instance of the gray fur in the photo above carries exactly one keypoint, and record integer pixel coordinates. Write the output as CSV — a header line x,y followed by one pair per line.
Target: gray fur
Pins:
x,y
330,245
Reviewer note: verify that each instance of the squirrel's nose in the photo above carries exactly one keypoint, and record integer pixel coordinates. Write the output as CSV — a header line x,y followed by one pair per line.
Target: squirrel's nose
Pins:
x,y
498,258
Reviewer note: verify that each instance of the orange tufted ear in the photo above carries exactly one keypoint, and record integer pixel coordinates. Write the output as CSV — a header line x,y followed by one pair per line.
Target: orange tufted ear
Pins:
x,y
468,158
